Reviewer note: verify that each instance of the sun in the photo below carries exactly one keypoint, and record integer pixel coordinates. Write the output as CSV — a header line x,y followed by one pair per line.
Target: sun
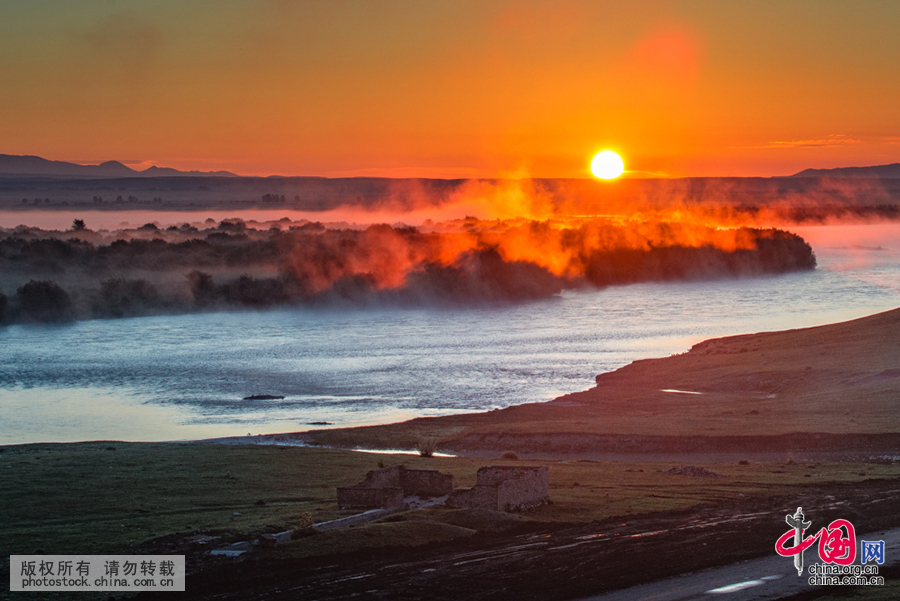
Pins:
x,y
607,165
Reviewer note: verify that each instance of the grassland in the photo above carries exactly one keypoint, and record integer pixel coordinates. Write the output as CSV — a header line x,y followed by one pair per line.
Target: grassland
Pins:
x,y
86,498
113,497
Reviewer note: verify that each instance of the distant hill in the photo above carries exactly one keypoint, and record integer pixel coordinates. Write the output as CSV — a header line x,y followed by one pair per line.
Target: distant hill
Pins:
x,y
15,165
892,170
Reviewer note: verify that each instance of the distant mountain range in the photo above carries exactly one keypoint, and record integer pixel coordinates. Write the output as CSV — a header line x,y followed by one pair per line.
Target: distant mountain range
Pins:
x,y
24,166
892,170
33,166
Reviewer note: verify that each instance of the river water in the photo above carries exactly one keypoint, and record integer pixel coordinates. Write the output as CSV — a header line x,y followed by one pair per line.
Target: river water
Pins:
x,y
184,377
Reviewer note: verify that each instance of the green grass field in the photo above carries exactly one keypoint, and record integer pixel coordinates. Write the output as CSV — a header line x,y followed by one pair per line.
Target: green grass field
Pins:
x,y
110,497
87,498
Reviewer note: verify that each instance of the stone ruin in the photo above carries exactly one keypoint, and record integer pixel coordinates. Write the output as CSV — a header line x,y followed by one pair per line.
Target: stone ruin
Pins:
x,y
387,487
497,488
505,489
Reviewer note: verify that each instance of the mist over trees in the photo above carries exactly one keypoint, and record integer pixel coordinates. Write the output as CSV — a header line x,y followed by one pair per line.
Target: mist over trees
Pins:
x,y
51,276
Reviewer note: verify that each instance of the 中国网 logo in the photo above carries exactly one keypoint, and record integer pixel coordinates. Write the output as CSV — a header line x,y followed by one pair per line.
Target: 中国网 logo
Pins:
x,y
837,552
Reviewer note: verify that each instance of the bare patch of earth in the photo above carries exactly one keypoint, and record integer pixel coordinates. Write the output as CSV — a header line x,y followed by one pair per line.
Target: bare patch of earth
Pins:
x,y
803,446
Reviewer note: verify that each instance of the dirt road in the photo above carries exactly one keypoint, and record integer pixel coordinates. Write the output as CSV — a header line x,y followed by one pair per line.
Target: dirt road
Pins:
x,y
770,577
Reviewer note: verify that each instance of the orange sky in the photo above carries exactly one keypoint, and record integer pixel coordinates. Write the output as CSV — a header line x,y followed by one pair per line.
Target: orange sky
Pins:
x,y
452,88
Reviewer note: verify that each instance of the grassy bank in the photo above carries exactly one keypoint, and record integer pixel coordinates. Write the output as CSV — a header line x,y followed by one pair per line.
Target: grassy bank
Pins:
x,y
113,497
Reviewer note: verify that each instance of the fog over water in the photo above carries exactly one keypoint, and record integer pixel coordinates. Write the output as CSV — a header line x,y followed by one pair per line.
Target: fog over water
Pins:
x,y
182,377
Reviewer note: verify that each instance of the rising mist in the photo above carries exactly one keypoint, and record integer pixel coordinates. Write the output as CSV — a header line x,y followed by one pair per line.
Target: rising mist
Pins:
x,y
79,273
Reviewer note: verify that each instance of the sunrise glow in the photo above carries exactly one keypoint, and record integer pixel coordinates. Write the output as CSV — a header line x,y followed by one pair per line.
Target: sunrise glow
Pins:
x,y
524,242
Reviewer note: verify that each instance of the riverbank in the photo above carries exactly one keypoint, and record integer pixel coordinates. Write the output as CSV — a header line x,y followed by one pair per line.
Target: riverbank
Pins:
x,y
820,393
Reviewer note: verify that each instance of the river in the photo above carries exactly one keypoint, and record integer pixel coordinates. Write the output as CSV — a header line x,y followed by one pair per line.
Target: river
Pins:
x,y
185,376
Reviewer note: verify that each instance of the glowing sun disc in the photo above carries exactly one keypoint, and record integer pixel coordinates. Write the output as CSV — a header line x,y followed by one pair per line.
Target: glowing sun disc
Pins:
x,y
607,165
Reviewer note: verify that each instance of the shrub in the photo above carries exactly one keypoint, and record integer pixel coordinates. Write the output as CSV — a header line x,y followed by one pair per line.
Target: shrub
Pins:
x,y
44,301
306,526
252,292
202,288
120,297
305,521
426,447
510,456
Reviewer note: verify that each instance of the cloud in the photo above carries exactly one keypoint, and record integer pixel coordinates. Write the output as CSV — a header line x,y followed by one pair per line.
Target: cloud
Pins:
x,y
831,141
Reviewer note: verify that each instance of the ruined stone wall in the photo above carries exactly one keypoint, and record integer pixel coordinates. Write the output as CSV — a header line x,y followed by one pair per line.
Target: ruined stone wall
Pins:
x,y
497,488
479,497
364,497
505,489
386,477
386,487
527,489
494,475
426,483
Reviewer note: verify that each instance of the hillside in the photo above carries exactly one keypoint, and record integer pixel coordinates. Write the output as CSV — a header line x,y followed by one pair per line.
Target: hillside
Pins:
x,y
888,171
34,166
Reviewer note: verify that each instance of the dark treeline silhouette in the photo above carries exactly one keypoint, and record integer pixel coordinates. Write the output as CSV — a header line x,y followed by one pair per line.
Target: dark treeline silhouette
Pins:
x,y
43,301
776,254
54,276
807,214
